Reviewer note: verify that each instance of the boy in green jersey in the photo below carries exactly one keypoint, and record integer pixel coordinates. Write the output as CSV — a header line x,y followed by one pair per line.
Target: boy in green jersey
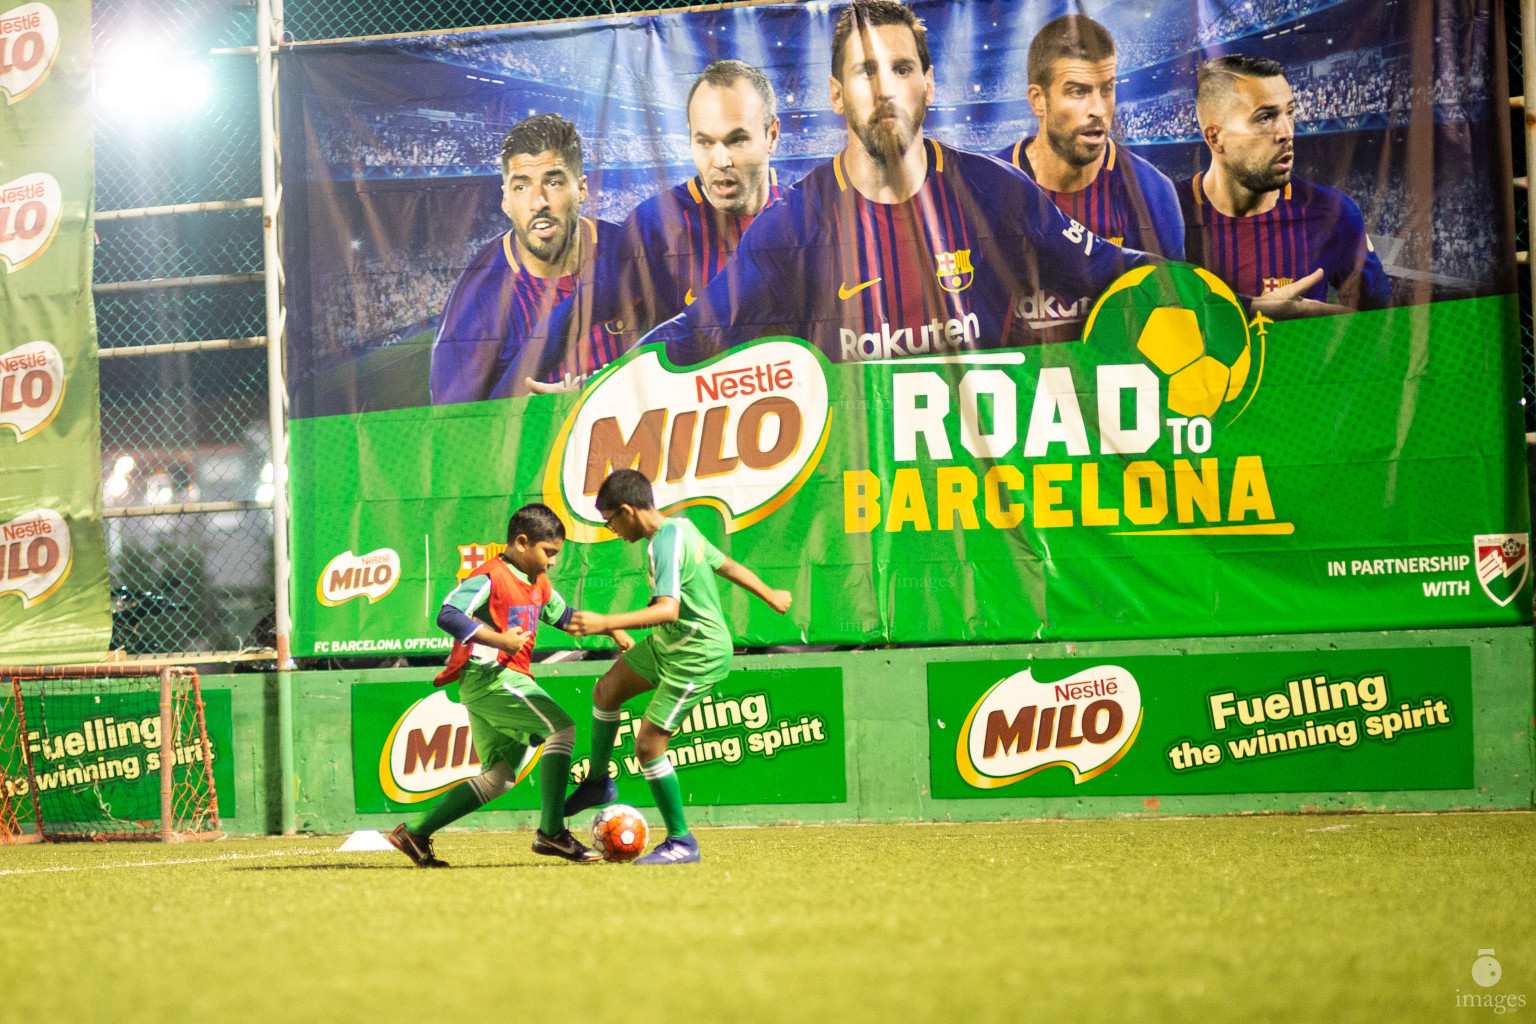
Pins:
x,y
687,653
492,616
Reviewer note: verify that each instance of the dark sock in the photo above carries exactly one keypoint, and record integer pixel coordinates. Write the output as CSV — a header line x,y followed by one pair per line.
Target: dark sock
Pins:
x,y
668,795
456,803
605,726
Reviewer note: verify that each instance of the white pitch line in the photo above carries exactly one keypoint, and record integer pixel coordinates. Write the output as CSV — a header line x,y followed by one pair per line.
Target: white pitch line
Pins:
x,y
162,863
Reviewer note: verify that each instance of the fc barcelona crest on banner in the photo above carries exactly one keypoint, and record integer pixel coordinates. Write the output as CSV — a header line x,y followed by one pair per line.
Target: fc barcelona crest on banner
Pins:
x,y
1502,559
953,269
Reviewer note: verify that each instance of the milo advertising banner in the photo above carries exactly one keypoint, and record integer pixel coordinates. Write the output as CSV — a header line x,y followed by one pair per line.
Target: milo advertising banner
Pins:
x,y
53,564
1314,722
97,757
962,321
774,737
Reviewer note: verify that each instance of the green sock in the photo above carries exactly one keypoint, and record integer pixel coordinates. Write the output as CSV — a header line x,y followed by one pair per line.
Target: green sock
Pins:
x,y
456,803
554,773
605,726
668,795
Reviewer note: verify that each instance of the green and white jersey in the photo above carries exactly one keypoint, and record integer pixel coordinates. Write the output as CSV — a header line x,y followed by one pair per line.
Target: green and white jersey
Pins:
x,y
681,565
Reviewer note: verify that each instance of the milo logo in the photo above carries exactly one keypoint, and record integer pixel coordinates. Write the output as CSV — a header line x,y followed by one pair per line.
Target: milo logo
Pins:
x,y
1084,723
31,387
35,555
29,218
430,749
740,434
347,576
29,44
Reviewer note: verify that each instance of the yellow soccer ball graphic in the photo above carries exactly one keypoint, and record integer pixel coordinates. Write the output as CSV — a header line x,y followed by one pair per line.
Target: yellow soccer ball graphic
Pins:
x,y
1187,324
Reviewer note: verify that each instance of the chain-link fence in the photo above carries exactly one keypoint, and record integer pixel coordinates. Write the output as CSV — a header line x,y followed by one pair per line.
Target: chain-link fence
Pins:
x,y
180,305
185,425
180,311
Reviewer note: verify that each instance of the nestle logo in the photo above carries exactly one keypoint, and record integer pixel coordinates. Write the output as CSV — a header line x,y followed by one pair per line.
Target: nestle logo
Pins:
x,y
749,380
10,26
1084,690
22,193
26,361
21,531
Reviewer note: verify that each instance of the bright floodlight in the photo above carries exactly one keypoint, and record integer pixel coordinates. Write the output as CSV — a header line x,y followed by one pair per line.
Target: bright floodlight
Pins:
x,y
139,81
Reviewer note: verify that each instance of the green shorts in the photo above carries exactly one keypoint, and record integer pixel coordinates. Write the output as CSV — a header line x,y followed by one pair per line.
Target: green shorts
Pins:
x,y
679,683
508,712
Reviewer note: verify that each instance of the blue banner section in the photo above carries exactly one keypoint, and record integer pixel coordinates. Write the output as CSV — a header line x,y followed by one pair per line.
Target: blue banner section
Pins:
x,y
400,232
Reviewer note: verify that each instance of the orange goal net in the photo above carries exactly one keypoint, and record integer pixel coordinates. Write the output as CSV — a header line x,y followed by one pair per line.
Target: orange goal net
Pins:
x,y
104,752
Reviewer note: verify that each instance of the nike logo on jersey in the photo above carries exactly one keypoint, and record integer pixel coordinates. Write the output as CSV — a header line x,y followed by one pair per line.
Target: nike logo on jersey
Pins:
x,y
688,297
845,293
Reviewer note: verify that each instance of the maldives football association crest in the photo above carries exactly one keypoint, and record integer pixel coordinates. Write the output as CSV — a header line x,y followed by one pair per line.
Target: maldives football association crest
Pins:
x,y
1502,560
953,269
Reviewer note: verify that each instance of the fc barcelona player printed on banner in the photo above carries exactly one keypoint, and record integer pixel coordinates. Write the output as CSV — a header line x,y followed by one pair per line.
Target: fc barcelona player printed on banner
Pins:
x,y
1109,190
1248,219
480,348
899,246
676,242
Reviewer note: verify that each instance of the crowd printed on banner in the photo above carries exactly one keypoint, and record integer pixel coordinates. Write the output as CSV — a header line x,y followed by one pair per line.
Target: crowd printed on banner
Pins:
x,y
764,738
1287,720
371,646
125,749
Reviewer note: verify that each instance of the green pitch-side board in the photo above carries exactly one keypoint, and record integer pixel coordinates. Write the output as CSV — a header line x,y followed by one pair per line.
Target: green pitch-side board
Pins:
x,y
1241,723
53,558
1368,474
893,717
761,738
90,755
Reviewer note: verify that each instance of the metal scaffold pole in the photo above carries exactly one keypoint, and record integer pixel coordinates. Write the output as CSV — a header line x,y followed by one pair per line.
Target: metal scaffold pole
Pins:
x,y
269,34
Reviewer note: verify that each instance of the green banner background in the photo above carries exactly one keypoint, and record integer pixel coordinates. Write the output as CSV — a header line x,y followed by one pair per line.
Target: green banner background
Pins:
x,y
50,130
805,766
1363,425
131,798
1175,692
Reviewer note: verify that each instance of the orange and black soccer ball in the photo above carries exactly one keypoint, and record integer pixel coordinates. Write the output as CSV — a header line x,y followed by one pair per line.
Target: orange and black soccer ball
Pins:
x,y
619,832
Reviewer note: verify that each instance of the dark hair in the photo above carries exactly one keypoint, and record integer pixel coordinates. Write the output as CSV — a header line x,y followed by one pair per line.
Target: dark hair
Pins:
x,y
1069,37
1217,77
625,487
722,74
543,133
536,522
873,14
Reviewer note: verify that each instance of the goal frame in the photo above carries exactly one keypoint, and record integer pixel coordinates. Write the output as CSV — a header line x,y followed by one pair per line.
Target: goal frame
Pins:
x,y
172,678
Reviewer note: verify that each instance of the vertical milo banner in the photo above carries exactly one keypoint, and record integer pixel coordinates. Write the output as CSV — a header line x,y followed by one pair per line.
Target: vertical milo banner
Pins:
x,y
963,321
53,565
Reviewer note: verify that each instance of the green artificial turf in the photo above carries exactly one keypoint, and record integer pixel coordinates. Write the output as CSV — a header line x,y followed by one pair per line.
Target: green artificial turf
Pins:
x,y
1313,918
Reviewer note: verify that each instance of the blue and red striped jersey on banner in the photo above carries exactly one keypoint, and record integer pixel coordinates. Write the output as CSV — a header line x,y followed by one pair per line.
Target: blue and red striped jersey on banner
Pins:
x,y
1310,227
864,280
